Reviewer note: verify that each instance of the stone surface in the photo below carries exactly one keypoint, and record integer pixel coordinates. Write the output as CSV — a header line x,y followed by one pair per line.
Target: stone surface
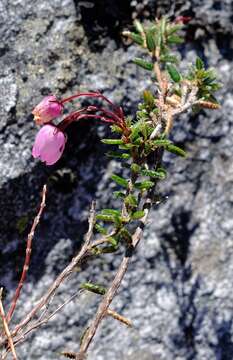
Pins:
x,y
178,292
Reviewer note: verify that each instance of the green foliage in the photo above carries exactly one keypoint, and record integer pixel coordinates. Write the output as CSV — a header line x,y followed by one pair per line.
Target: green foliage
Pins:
x,y
108,249
144,185
175,39
174,73
176,150
205,79
143,64
169,59
120,180
111,212
116,129
161,142
150,40
118,155
138,27
142,146
119,194
148,100
162,34
137,38
95,288
131,201
105,218
126,235
135,168
156,174
137,215
199,64
101,229
112,141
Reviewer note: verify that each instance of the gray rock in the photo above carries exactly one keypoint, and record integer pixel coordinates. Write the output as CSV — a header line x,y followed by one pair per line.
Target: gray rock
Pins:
x,y
178,291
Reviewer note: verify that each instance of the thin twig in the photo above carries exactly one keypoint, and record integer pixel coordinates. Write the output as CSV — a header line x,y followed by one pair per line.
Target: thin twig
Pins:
x,y
110,294
28,256
44,321
119,317
64,275
6,328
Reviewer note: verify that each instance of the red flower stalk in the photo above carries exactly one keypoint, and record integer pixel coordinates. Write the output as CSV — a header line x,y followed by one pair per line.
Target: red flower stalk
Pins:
x,y
115,117
182,19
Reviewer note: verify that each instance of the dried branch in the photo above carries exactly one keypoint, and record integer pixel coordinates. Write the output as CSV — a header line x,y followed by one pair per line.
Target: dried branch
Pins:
x,y
110,294
119,317
28,256
45,299
40,322
6,328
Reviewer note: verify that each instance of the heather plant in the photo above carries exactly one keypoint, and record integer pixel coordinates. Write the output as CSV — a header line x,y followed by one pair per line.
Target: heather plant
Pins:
x,y
138,142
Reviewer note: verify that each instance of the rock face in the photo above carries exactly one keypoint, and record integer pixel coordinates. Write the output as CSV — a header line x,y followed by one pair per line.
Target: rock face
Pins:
x,y
178,292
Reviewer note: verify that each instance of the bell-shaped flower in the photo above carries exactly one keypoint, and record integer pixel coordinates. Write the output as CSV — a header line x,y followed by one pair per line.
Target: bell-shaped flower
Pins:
x,y
48,109
49,144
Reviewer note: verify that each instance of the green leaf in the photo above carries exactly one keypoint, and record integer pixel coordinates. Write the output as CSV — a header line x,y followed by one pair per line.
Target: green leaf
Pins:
x,y
150,42
116,129
112,141
126,235
113,241
97,289
110,212
136,38
108,249
135,168
144,64
120,180
148,99
162,142
169,59
105,218
153,173
131,201
163,24
173,29
176,150
173,72
161,173
175,39
118,155
119,194
199,63
144,185
137,215
126,146
101,229
138,26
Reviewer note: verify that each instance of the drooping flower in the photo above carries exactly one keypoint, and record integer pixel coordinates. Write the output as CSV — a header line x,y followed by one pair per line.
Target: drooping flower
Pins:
x,y
49,144
48,109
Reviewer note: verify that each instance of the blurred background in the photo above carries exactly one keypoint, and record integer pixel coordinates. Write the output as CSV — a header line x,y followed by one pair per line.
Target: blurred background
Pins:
x,y
178,291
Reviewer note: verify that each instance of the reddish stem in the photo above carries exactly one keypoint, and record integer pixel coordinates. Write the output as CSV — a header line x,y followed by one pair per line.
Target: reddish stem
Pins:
x,y
93,116
96,95
27,257
90,94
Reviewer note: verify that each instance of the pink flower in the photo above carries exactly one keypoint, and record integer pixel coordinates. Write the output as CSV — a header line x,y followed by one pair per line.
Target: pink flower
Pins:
x,y
49,144
48,109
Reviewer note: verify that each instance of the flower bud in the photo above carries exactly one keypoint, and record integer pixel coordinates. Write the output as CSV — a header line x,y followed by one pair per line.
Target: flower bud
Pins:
x,y
48,109
49,144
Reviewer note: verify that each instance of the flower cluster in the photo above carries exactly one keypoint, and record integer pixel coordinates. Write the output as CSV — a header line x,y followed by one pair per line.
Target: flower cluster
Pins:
x,y
50,140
